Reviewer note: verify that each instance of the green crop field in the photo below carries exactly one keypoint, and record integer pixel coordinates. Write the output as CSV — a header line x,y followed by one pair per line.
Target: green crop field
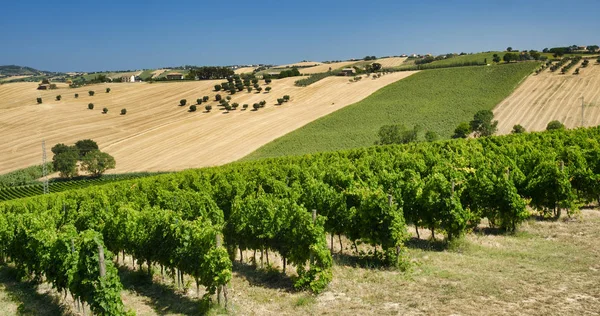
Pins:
x,y
437,100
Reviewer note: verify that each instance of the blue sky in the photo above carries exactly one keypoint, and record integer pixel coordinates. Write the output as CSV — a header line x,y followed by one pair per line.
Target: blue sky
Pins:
x,y
118,35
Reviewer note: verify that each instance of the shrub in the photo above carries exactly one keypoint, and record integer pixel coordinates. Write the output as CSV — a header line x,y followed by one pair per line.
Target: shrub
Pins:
x,y
254,81
256,86
227,107
245,106
518,129
218,97
217,87
462,130
123,111
286,98
91,106
107,90
235,105
268,89
431,136
249,89
262,103
105,110
576,71
205,98
193,108
39,100
198,101
259,89
280,101
76,95
228,98
58,97
223,101
555,125
268,80
182,102
256,106
208,108
91,93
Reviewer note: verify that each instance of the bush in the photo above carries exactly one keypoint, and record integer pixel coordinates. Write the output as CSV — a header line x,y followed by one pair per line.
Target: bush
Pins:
x,y
91,106
462,130
182,102
256,106
217,87
268,89
58,97
262,103
254,81
105,110
268,80
280,101
228,98
123,111
555,125
235,105
208,108
259,89
227,107
245,106
91,93
205,98
286,98
256,86
192,108
39,100
107,90
198,101
431,136
249,89
76,95
518,129
218,97
232,91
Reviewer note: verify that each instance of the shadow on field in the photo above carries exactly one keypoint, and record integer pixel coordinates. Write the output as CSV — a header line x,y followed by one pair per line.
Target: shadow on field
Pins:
x,y
360,261
163,299
427,244
25,294
270,278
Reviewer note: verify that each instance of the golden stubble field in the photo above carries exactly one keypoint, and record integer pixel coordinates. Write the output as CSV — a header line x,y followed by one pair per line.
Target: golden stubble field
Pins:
x,y
552,96
157,134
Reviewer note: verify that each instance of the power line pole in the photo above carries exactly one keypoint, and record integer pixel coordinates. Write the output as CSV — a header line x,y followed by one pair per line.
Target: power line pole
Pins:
x,y
44,168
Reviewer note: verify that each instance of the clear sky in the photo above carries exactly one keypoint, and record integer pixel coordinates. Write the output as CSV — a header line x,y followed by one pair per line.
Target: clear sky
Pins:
x,y
85,35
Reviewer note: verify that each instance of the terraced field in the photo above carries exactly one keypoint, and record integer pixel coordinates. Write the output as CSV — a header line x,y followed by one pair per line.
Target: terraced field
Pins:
x,y
157,134
553,96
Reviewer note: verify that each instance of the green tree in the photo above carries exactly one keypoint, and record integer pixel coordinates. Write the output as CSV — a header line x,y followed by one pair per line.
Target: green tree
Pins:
x,y
280,101
268,89
555,125
208,108
431,136
205,98
268,80
58,97
217,87
483,123
123,111
85,146
509,49
107,90
508,57
245,106
105,110
259,89
462,130
199,101
249,89
91,93
286,98
256,106
518,129
76,95
496,58
182,102
218,97
228,98
39,100
65,162
97,162
396,134
91,106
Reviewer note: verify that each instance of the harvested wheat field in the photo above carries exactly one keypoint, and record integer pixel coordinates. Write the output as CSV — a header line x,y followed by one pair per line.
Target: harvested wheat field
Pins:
x,y
552,96
9,78
157,134
244,70
325,67
391,62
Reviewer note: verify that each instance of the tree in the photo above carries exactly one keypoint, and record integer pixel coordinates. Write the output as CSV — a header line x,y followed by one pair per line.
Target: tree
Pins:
x,y
268,80
235,105
593,48
97,162
193,108
268,89
107,90
555,125
76,95
85,146
123,111
91,106
199,101
245,106
182,102
228,98
509,49
39,100
65,162
496,58
262,103
218,97
396,134
208,108
259,89
508,57
280,101
518,129
286,98
483,124
205,98
254,81
61,148
256,106
58,97
431,136
105,110
597,60
227,107
91,93
462,130
217,87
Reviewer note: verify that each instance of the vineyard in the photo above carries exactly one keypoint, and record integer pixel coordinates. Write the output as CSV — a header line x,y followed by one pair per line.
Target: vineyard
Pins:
x,y
288,205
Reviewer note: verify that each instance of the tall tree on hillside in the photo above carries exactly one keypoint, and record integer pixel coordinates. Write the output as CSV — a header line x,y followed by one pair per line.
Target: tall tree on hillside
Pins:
x,y
483,123
462,130
85,146
97,162
65,162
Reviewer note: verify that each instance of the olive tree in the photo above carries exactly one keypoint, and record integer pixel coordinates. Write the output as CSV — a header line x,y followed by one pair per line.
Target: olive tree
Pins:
x,y
208,108
182,102
97,162
123,111
91,106
91,93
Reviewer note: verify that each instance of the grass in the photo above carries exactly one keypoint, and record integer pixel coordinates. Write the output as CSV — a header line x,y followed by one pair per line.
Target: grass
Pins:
x,y
546,268
146,74
437,100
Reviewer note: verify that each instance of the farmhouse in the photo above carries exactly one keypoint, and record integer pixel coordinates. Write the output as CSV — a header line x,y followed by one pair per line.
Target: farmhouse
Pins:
x,y
348,71
174,76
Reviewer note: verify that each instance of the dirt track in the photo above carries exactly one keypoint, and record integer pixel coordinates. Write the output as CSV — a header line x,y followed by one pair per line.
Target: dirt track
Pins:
x,y
552,96
157,134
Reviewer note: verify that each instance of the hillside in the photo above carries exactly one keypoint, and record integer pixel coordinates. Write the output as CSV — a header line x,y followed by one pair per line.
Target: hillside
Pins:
x,y
551,96
13,70
157,134
437,100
